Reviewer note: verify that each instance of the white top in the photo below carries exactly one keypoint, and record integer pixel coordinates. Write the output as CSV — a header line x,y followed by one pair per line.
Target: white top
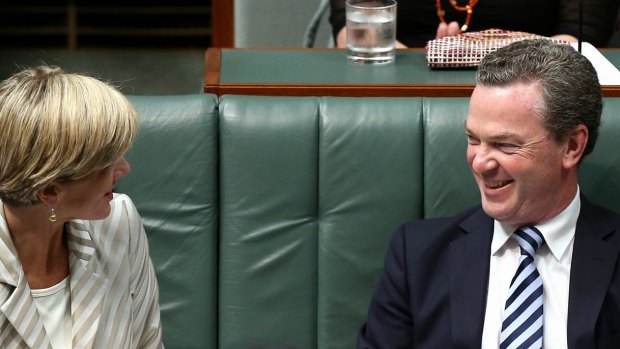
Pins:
x,y
54,307
553,261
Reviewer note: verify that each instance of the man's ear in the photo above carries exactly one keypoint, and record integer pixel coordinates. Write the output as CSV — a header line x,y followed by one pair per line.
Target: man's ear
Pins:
x,y
576,145
49,194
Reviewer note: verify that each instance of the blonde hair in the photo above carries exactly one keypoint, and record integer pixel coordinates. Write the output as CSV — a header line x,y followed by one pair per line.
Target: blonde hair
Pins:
x,y
56,126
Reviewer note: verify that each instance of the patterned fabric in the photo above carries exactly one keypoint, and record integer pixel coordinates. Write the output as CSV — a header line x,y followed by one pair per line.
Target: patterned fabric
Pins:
x,y
523,315
467,49
114,294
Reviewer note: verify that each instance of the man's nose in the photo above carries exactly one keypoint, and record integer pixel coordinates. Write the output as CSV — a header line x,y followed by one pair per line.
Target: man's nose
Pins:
x,y
483,161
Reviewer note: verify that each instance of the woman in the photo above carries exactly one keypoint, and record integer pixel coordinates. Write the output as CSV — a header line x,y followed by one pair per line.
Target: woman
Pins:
x,y
74,265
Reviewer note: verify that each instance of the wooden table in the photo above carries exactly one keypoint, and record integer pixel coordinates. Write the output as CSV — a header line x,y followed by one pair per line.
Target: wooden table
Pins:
x,y
327,72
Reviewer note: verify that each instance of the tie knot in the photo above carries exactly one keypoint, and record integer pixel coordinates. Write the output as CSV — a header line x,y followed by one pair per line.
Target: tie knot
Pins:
x,y
530,239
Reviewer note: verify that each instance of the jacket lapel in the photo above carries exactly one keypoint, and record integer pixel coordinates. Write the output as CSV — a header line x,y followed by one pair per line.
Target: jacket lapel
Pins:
x,y
592,267
88,287
469,275
21,312
16,302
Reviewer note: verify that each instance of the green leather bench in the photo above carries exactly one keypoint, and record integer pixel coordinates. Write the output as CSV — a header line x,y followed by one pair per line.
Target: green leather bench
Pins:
x,y
268,217
174,186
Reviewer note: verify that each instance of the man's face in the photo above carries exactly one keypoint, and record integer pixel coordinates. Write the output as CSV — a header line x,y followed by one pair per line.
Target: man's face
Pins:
x,y
517,165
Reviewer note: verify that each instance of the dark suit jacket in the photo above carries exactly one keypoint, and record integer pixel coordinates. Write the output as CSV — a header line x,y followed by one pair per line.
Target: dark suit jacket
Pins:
x,y
432,293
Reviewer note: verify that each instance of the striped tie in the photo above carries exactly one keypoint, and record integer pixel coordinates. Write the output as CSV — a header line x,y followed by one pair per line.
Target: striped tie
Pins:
x,y
523,315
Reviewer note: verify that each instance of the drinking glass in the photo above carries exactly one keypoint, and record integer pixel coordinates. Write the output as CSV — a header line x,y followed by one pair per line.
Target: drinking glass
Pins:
x,y
371,30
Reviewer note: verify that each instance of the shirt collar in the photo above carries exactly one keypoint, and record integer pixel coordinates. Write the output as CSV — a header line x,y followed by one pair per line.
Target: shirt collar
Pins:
x,y
558,231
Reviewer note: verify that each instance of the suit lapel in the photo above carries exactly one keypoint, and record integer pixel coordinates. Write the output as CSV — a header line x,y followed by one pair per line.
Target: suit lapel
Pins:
x,y
469,275
88,287
16,302
21,312
592,267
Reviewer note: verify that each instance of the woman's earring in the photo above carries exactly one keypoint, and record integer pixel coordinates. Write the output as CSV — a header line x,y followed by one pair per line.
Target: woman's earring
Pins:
x,y
52,214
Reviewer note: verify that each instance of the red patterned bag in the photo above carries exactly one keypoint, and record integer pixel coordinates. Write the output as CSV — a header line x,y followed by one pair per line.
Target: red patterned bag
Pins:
x,y
466,50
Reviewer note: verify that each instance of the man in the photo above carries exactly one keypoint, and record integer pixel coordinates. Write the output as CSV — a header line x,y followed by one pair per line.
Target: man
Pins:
x,y
537,264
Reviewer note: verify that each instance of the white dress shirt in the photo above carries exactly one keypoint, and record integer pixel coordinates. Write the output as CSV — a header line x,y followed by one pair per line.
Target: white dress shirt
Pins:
x,y
553,261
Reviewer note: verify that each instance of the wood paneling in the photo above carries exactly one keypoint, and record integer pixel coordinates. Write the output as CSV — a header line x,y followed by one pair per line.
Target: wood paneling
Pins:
x,y
106,24
223,21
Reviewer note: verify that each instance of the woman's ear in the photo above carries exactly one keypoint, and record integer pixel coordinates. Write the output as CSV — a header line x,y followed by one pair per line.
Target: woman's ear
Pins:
x,y
49,194
577,141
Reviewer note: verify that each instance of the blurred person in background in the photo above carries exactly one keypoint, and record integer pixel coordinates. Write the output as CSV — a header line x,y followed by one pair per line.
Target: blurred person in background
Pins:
x,y
418,21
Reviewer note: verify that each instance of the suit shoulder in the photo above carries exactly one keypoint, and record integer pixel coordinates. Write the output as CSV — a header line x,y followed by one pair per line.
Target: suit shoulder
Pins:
x,y
599,218
440,224
438,233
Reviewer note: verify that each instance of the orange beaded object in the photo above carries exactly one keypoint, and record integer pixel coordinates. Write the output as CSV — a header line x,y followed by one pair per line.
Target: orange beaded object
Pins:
x,y
469,8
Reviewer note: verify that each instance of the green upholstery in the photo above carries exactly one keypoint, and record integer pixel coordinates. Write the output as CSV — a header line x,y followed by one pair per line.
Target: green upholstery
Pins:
x,y
310,189
448,184
173,184
268,179
268,217
600,170
370,180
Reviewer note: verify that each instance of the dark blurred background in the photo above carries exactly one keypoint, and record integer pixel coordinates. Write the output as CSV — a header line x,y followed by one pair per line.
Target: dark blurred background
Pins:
x,y
144,47
154,47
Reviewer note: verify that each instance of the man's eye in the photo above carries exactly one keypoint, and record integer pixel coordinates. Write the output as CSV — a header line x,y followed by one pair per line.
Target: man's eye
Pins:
x,y
508,147
472,140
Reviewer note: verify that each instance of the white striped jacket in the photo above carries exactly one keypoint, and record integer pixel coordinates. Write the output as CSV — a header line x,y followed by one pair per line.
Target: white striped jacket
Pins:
x,y
114,293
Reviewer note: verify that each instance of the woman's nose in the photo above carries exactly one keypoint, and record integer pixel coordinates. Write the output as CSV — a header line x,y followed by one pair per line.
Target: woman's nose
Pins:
x,y
121,168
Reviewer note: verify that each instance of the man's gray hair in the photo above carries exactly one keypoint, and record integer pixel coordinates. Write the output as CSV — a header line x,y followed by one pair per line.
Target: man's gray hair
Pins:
x,y
569,85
